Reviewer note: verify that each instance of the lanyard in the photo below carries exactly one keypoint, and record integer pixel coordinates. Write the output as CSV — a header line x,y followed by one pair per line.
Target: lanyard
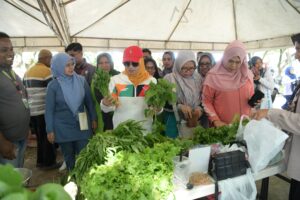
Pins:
x,y
12,77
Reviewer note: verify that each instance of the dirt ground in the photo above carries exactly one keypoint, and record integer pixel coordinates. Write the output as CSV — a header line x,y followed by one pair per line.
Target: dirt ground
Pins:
x,y
39,176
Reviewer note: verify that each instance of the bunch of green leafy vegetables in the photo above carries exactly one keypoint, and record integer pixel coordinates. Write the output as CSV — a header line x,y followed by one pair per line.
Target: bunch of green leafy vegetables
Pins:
x,y
11,187
127,136
156,98
223,134
101,80
158,95
125,176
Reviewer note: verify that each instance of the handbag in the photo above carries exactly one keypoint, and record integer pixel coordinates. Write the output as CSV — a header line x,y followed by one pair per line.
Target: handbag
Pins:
x,y
227,165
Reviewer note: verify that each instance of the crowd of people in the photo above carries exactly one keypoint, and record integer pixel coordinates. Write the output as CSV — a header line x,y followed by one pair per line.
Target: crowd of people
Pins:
x,y
58,101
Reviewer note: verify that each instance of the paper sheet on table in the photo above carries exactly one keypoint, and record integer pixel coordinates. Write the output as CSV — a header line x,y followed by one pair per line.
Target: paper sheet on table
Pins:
x,y
199,158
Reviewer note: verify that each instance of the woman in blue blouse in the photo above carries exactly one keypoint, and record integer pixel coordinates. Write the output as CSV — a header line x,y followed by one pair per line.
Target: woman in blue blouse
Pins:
x,y
68,97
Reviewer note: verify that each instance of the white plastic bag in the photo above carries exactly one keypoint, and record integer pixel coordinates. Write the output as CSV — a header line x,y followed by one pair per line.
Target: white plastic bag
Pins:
x,y
264,142
240,132
238,188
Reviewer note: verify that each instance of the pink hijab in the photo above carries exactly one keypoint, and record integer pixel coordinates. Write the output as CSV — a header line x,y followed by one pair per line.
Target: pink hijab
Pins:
x,y
221,79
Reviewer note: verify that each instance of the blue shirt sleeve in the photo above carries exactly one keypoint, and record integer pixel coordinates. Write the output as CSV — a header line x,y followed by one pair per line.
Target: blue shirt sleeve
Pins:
x,y
50,107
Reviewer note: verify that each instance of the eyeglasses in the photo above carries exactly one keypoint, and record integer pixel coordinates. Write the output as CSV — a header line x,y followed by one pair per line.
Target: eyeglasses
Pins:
x,y
205,64
231,62
187,69
150,67
127,64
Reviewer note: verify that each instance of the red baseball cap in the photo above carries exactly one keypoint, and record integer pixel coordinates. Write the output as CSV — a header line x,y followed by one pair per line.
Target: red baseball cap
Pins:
x,y
132,54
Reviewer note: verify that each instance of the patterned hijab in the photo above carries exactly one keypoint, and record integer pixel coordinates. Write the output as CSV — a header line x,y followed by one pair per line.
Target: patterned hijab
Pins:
x,y
221,79
72,86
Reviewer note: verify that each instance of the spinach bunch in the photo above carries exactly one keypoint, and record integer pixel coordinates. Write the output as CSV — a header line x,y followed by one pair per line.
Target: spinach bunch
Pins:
x,y
101,81
224,134
158,95
125,176
127,136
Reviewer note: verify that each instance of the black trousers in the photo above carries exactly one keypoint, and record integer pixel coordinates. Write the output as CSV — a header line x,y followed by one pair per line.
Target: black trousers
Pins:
x,y
294,190
46,153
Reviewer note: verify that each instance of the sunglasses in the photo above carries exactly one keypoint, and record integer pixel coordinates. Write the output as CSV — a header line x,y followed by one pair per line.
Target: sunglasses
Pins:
x,y
127,64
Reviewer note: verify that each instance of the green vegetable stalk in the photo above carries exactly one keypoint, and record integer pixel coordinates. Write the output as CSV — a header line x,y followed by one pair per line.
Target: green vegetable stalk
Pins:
x,y
101,81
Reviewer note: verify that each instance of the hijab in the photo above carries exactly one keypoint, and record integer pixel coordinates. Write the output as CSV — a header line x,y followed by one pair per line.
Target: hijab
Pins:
x,y
188,88
221,79
72,86
168,70
135,54
209,55
156,73
288,73
140,76
112,71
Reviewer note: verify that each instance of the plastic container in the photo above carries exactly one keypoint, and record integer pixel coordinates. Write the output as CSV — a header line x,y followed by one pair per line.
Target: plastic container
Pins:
x,y
181,171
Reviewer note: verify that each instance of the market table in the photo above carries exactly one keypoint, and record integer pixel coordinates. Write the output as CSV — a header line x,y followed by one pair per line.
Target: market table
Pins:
x,y
181,193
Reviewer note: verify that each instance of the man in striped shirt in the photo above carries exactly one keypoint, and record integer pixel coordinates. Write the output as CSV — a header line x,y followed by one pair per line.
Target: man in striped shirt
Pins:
x,y
36,80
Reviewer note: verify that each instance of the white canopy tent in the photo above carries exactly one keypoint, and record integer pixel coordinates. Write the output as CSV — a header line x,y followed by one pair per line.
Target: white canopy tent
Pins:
x,y
156,24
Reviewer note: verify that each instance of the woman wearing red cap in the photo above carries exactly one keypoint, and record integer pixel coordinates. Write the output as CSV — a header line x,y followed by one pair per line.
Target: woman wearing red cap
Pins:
x,y
128,89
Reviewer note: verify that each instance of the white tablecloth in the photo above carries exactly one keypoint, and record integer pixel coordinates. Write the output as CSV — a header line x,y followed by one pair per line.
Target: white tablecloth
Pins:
x,y
181,193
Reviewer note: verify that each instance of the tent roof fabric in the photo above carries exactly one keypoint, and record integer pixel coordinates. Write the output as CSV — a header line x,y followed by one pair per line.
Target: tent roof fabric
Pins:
x,y
172,24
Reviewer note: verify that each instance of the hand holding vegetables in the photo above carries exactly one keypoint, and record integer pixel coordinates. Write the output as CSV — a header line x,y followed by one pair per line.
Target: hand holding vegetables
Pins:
x,y
218,123
108,101
101,82
186,110
157,96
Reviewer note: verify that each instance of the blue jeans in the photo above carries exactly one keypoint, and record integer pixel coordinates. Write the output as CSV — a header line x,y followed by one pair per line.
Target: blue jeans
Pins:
x,y
70,150
20,151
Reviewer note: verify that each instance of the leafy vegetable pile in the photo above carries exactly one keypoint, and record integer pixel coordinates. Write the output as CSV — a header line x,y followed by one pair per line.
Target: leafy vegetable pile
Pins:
x,y
11,188
123,164
224,134
124,144
126,176
127,136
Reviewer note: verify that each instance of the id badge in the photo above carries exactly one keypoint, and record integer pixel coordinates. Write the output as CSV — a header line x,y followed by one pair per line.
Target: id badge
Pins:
x,y
25,102
83,121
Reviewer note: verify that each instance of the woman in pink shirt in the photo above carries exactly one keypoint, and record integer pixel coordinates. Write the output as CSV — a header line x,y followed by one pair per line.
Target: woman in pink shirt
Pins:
x,y
228,86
